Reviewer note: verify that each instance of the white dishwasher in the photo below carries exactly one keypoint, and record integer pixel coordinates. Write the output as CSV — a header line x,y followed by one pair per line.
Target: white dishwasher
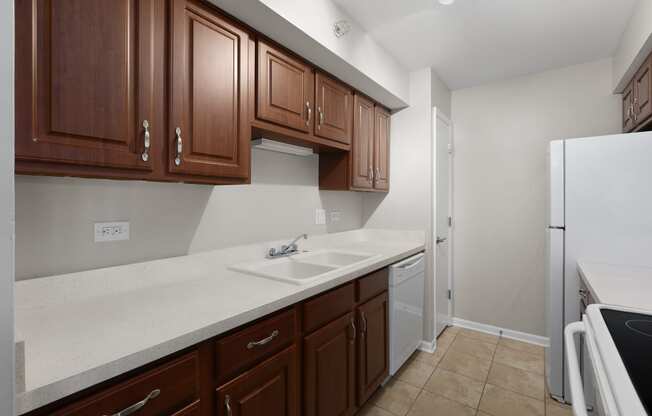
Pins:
x,y
405,309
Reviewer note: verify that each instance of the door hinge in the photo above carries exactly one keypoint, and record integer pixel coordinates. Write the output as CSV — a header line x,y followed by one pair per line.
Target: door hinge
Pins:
x,y
450,221
450,148
450,294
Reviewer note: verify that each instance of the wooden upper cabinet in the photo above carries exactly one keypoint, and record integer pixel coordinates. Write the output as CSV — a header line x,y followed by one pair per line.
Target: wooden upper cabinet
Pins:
x,y
628,108
334,106
642,92
373,343
329,369
270,389
362,149
209,131
381,149
285,89
84,82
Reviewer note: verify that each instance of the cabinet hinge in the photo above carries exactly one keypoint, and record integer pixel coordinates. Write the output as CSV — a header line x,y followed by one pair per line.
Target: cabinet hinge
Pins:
x,y
450,294
450,221
450,148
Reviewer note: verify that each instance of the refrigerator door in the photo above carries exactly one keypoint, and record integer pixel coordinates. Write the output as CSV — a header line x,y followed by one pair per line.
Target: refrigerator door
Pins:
x,y
607,207
555,312
556,184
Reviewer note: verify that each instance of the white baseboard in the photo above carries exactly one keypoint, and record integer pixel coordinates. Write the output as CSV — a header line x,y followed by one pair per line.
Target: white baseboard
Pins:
x,y
427,346
507,333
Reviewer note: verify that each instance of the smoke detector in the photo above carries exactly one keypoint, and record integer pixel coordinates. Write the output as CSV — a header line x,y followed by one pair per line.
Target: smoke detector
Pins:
x,y
341,28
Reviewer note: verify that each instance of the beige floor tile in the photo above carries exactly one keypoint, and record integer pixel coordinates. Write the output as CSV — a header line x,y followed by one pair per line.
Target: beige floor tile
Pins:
x,y
501,402
453,329
557,409
396,397
432,359
415,372
445,339
371,410
522,346
517,380
456,387
466,365
474,347
519,359
481,336
428,404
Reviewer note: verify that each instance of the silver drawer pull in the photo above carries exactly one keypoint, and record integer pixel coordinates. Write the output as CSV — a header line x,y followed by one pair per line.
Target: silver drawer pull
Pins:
x,y
177,160
355,330
364,322
309,113
137,406
263,341
146,142
227,405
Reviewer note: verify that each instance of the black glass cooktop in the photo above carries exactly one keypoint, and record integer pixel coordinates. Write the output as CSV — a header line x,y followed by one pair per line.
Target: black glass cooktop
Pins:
x,y
632,334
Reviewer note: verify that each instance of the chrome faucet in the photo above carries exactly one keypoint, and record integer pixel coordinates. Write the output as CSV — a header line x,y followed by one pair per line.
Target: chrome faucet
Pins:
x,y
287,249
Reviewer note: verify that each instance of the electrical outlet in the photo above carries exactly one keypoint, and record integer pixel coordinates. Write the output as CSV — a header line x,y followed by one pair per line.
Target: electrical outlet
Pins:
x,y
320,216
336,216
111,231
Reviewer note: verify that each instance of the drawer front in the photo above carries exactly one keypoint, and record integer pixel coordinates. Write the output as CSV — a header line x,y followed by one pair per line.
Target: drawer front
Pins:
x,y
372,284
321,310
177,384
242,349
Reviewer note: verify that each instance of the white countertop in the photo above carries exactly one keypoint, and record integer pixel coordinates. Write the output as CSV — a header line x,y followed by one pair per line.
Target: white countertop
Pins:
x,y
84,328
617,284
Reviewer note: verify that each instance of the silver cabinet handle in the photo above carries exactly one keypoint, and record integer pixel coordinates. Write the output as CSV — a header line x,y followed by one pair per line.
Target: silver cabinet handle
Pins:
x,y
137,406
634,109
321,117
309,113
364,322
355,330
227,405
370,176
263,341
177,159
146,142
377,174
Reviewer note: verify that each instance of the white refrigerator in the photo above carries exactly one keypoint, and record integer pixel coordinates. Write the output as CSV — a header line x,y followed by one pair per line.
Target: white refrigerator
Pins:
x,y
599,210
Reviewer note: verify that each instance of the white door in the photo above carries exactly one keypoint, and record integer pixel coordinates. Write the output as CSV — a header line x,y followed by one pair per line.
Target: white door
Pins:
x,y
443,180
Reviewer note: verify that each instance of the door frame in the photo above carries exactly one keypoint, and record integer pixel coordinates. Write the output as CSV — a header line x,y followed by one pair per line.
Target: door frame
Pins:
x,y
438,116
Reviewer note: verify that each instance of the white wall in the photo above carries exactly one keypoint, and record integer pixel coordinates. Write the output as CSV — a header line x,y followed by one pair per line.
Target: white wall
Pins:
x,y
306,27
408,203
501,135
7,209
55,216
635,45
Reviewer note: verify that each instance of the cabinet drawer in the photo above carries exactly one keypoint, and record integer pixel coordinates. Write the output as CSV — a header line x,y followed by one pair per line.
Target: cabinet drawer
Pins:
x,y
372,284
324,308
238,351
177,383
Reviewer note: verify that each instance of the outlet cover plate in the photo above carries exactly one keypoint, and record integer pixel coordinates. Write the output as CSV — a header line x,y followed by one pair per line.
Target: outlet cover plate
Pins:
x,y
111,231
320,216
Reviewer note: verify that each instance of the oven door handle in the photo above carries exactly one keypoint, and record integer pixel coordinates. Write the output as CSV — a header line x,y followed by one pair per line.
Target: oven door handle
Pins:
x,y
575,378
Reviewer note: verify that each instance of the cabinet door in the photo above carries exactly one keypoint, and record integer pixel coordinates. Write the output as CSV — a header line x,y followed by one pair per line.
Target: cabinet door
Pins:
x,y
334,103
381,149
628,108
285,89
642,98
84,82
362,149
329,369
208,132
268,389
373,347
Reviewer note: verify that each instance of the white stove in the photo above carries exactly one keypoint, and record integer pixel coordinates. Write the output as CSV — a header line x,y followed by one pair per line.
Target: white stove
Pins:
x,y
619,345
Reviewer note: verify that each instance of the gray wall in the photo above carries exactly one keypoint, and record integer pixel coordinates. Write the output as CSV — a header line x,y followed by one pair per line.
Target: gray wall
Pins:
x,y
55,216
7,209
502,132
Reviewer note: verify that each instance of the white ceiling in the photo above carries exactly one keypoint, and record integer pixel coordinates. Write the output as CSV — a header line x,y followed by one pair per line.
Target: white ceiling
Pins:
x,y
473,42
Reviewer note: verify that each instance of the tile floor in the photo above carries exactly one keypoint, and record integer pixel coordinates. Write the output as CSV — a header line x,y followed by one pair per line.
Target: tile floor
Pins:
x,y
473,374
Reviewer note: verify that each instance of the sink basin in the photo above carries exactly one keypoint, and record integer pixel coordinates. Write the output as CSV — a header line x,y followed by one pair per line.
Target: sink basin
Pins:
x,y
302,268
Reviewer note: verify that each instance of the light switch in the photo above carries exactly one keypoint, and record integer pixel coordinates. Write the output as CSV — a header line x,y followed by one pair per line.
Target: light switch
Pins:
x,y
320,216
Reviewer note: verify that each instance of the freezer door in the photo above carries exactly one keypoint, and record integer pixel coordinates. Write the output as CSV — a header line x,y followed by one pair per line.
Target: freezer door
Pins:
x,y
555,311
556,184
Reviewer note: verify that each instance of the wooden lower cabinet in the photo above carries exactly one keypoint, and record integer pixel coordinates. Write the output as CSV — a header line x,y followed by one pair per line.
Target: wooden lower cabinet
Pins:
x,y
269,389
373,346
329,369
